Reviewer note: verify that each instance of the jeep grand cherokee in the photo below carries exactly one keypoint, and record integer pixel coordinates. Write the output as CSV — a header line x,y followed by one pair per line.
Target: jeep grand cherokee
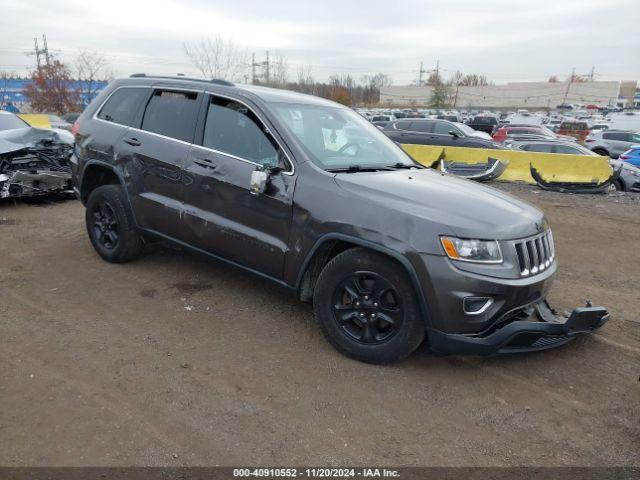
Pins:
x,y
307,193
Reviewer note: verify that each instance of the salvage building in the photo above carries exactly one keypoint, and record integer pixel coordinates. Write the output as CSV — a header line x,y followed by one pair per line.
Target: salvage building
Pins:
x,y
529,95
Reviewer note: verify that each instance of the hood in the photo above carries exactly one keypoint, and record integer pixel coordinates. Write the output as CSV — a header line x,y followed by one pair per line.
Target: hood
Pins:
x,y
459,207
29,137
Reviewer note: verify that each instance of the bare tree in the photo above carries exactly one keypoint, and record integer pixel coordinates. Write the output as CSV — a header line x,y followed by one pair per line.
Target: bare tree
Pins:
x,y
51,89
217,58
279,71
91,68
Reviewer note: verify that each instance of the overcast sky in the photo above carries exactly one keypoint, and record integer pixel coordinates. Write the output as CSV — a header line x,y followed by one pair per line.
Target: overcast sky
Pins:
x,y
506,40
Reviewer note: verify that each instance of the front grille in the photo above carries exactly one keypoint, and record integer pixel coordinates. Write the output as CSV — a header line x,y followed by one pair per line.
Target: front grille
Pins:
x,y
535,254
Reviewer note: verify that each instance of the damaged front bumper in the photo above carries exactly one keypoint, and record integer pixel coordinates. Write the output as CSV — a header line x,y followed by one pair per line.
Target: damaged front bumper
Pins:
x,y
480,172
34,162
532,328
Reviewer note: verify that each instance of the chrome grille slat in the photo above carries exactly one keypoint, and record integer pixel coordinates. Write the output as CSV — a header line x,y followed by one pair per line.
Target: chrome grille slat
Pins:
x,y
535,254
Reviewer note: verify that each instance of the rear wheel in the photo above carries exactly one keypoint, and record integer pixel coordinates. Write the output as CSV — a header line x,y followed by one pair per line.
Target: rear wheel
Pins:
x,y
110,225
617,186
367,308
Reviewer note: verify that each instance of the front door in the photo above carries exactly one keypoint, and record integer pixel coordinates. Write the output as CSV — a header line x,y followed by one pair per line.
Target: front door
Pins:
x,y
222,216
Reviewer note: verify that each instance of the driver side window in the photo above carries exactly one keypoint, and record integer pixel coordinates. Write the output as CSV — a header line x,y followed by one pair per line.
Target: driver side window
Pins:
x,y
234,129
443,128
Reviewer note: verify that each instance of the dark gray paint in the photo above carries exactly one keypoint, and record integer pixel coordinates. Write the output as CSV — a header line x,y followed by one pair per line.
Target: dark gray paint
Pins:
x,y
200,198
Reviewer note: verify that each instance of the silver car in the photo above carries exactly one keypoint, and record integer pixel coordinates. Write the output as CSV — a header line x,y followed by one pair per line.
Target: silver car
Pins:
x,y
628,181
611,143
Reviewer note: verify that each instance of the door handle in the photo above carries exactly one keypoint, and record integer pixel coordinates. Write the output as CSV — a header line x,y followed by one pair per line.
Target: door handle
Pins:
x,y
134,142
205,163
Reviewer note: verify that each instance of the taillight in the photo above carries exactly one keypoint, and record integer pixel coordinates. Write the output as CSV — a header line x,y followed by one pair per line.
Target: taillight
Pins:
x,y
75,129
625,157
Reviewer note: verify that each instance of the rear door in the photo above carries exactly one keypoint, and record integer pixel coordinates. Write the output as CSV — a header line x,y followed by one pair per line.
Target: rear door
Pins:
x,y
159,149
617,142
100,140
417,132
222,216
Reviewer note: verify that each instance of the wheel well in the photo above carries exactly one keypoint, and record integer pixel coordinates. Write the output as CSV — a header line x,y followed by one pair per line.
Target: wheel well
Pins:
x,y
598,150
323,255
94,177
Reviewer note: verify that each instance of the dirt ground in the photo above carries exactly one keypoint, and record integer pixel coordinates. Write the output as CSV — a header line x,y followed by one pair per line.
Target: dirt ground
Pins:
x,y
176,360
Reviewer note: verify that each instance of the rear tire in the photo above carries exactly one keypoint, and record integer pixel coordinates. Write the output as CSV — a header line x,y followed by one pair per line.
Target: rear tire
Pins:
x,y
110,225
602,152
367,307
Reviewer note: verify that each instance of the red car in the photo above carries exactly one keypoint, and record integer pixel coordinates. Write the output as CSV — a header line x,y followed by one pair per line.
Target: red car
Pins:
x,y
502,133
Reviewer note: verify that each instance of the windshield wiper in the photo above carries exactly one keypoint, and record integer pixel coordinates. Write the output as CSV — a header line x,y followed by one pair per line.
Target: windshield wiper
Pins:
x,y
405,165
359,168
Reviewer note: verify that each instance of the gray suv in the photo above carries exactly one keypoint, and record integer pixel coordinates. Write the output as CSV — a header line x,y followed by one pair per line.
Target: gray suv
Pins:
x,y
611,143
308,194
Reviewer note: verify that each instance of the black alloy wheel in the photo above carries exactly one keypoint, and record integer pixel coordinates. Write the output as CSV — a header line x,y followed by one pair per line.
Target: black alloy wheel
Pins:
x,y
367,308
105,225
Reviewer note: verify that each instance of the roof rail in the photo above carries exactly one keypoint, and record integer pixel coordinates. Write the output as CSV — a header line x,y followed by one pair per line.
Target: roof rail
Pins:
x,y
181,77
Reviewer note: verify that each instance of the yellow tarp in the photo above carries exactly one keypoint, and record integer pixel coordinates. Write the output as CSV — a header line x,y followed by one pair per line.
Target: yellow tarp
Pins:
x,y
553,167
36,119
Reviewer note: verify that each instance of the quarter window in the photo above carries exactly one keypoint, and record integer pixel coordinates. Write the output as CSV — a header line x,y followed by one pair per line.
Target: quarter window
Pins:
x,y
123,106
234,129
172,114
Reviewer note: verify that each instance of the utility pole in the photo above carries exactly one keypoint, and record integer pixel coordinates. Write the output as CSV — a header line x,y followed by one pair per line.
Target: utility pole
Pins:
x,y
267,67
41,52
593,73
420,72
566,93
455,99
253,68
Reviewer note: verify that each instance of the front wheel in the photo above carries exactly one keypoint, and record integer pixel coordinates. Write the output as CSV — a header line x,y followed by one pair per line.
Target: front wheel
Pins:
x,y
367,307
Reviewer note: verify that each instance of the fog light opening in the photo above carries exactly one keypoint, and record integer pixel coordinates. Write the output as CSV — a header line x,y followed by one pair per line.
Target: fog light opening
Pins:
x,y
476,305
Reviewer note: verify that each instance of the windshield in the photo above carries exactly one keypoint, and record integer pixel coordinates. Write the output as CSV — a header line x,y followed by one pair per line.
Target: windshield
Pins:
x,y
467,130
9,122
339,138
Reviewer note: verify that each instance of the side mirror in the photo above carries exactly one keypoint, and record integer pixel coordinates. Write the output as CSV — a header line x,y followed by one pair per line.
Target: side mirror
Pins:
x,y
259,181
453,133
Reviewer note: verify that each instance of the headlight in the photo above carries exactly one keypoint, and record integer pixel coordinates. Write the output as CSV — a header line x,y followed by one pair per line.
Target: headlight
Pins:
x,y
479,251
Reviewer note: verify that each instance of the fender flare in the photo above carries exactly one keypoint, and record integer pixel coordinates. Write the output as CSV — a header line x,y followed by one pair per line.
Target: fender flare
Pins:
x,y
117,173
413,276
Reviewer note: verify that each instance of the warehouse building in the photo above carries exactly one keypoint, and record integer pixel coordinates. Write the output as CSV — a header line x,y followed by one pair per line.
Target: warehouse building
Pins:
x,y
12,91
529,95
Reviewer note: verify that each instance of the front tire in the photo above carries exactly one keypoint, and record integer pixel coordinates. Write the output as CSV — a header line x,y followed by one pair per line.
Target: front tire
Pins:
x,y
110,225
367,307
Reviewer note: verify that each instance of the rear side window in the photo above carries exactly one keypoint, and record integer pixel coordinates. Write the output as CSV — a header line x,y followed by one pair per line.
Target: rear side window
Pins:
x,y
537,147
234,129
619,136
485,121
574,126
172,114
566,149
424,127
403,125
123,106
